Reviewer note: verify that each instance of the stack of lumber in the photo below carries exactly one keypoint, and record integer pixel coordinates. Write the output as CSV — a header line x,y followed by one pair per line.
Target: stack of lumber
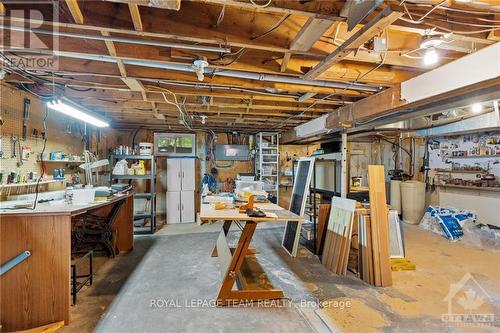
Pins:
x,y
338,235
373,232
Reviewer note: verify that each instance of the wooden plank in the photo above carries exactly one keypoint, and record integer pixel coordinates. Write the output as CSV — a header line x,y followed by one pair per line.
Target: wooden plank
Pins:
x,y
323,214
75,11
284,62
136,16
49,328
310,33
379,224
337,240
381,21
36,291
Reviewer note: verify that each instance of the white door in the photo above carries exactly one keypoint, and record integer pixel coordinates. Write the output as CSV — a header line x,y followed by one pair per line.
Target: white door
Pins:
x,y
188,174
173,174
187,207
173,207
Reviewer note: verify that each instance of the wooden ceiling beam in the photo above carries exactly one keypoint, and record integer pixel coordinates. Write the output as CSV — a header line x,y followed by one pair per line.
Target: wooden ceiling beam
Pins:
x,y
75,11
264,109
163,4
3,10
329,9
380,22
309,34
361,56
136,16
152,95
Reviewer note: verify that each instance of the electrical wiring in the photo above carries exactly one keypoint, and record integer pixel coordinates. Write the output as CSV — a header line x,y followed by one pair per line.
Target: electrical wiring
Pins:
x,y
182,113
42,165
452,30
238,54
276,26
261,6
350,84
221,16
458,10
420,20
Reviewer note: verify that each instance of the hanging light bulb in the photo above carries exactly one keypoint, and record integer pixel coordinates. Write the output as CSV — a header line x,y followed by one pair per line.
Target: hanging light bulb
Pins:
x,y
431,57
199,65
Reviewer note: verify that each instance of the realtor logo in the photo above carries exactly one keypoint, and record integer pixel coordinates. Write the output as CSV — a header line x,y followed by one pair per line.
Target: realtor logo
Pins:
x,y
26,42
469,304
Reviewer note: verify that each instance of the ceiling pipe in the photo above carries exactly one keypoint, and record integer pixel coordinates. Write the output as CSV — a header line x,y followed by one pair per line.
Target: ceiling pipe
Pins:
x,y
208,70
120,39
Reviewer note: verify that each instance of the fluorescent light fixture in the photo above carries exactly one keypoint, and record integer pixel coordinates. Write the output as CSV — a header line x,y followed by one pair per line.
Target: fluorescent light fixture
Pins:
x,y
431,57
477,107
75,113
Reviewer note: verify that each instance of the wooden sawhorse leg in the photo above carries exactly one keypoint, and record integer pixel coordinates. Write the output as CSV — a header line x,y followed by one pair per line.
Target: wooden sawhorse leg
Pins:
x,y
230,265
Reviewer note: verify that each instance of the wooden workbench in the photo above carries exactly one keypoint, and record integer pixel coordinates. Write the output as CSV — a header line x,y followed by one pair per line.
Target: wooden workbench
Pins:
x,y
37,291
239,264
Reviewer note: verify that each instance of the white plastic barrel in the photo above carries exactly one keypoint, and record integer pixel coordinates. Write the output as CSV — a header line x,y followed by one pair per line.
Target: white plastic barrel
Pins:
x,y
412,201
396,195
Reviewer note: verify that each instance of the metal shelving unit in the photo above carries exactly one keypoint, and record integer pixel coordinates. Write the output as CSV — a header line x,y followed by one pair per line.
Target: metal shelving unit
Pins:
x,y
141,228
267,161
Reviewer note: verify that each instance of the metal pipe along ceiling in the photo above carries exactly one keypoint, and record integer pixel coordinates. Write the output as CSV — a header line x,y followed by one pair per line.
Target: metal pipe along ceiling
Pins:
x,y
209,70
120,39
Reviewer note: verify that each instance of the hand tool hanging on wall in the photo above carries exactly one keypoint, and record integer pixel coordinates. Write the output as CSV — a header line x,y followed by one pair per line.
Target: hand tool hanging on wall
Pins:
x,y
26,116
13,140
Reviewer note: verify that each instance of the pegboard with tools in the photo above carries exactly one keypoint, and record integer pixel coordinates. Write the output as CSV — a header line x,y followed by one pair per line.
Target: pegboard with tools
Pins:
x,y
22,133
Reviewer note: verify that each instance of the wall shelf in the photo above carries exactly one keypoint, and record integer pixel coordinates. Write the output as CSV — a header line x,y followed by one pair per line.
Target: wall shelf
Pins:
x,y
460,171
475,188
475,156
43,182
60,161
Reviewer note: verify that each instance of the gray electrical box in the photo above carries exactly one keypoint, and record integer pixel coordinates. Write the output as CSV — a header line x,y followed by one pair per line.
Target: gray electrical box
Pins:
x,y
232,153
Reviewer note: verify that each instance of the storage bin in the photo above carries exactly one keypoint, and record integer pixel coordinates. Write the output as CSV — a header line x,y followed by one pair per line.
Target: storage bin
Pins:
x,y
413,201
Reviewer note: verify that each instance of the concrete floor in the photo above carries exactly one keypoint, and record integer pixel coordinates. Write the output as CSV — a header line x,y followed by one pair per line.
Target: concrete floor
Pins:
x,y
174,267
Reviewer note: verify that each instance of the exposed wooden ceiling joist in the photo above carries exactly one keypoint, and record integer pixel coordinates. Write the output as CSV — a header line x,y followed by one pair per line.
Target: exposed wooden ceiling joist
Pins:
x,y
163,4
136,16
75,11
363,35
309,34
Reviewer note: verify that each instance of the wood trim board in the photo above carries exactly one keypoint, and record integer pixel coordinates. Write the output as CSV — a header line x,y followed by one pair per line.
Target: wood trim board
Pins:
x,y
379,226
